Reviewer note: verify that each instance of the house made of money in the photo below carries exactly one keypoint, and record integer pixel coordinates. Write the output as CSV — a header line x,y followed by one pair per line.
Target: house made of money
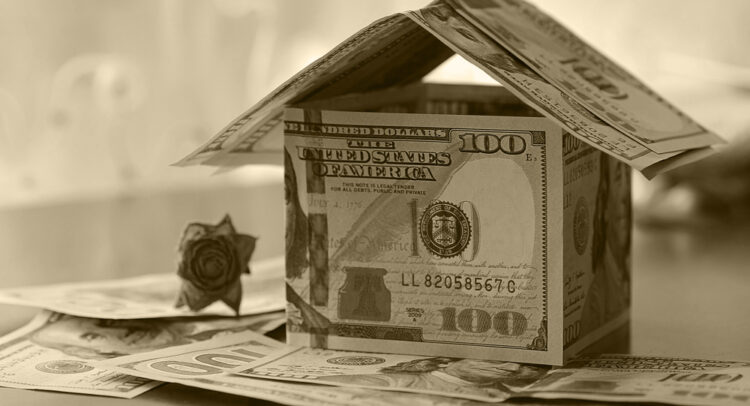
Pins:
x,y
488,222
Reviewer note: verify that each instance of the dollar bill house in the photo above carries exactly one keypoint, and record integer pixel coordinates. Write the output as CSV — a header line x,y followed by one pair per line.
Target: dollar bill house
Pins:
x,y
453,220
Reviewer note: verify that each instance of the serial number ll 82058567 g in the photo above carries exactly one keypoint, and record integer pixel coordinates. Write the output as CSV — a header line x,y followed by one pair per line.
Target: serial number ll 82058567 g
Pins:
x,y
459,282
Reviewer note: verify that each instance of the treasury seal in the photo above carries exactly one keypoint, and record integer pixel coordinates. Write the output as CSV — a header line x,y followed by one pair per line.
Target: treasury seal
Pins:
x,y
445,229
581,226
356,360
63,366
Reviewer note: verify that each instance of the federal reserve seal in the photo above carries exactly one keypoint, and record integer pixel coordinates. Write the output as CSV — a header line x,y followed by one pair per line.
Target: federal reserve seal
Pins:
x,y
581,226
356,360
63,366
445,229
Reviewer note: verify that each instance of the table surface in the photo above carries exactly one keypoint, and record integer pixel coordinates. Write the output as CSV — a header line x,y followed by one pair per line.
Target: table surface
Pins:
x,y
689,299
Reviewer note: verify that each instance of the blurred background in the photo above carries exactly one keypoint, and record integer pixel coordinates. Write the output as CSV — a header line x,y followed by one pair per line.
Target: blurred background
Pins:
x,y
99,97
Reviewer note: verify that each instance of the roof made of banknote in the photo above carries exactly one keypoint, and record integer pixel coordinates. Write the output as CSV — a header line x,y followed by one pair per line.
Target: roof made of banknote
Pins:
x,y
537,59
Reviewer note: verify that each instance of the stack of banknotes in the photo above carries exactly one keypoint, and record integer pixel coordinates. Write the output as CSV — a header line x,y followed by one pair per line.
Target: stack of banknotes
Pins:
x,y
123,338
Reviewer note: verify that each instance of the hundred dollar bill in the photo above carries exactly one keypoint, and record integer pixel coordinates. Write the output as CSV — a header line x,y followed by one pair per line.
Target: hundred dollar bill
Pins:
x,y
487,381
430,98
472,44
207,364
392,236
585,75
627,378
597,226
603,378
55,351
593,98
388,52
149,296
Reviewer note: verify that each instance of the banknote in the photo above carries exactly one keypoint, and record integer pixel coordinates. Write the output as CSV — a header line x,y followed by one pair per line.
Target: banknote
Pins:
x,y
430,98
585,75
533,89
55,351
597,226
602,378
388,52
627,378
207,364
150,296
390,236
481,380
593,98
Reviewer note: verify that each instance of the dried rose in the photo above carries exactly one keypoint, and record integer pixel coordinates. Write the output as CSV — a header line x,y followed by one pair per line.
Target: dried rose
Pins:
x,y
212,258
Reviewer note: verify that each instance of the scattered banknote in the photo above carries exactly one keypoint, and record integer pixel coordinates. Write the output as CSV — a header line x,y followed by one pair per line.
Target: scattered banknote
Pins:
x,y
150,296
585,75
627,378
481,380
55,351
206,365
604,378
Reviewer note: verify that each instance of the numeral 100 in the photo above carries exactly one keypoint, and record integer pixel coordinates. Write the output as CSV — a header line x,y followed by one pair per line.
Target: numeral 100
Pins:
x,y
506,323
488,143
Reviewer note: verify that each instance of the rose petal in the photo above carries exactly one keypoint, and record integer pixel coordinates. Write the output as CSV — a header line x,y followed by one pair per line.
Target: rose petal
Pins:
x,y
192,232
225,227
179,302
245,246
233,296
194,297
212,268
